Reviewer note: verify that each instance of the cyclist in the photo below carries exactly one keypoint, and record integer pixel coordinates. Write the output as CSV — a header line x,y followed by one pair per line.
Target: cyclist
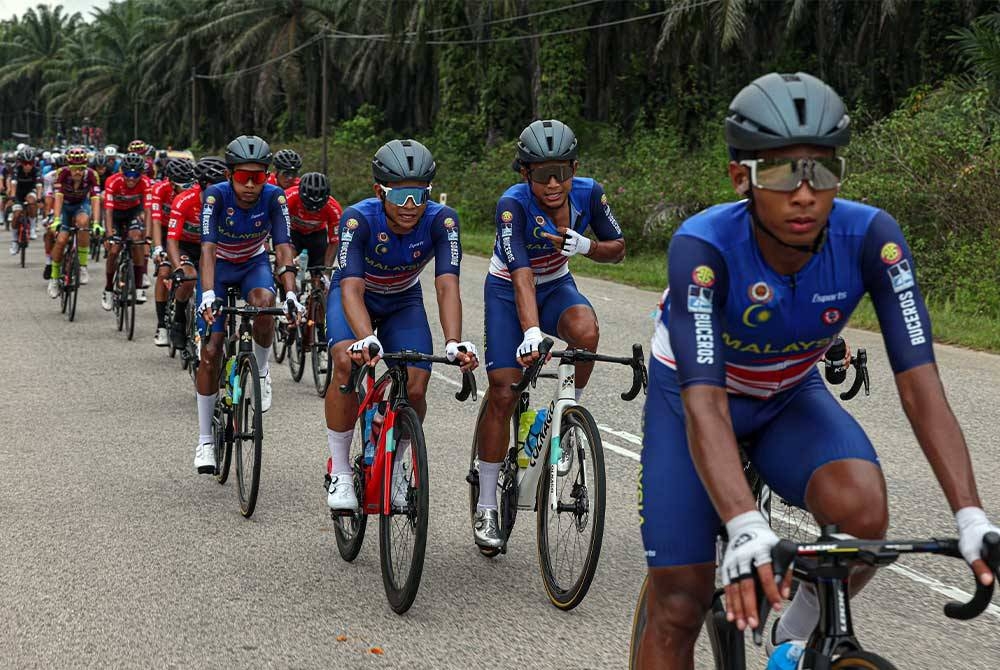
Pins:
x,y
386,242
180,175
102,166
184,236
287,164
49,181
123,199
77,199
24,187
315,218
142,148
541,222
238,217
757,290
114,160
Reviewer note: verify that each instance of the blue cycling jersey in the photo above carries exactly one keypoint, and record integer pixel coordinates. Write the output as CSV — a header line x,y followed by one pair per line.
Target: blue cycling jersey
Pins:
x,y
392,263
520,223
240,234
730,320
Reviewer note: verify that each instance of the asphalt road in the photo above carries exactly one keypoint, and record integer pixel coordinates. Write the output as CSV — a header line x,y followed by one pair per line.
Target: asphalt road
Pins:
x,y
115,553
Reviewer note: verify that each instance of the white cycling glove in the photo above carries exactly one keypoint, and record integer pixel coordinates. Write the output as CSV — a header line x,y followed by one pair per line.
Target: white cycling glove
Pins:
x,y
574,243
972,526
750,542
291,300
157,252
452,348
532,338
207,298
362,345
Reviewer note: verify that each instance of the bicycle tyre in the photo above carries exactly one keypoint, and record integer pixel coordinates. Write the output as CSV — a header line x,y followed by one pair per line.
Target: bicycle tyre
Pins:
x,y
247,434
321,373
349,529
279,345
72,286
638,624
24,252
296,354
725,639
222,439
401,593
169,321
569,596
129,306
63,293
506,482
116,296
861,660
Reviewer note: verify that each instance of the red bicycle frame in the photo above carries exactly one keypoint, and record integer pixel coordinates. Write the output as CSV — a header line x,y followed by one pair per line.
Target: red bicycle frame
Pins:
x,y
378,475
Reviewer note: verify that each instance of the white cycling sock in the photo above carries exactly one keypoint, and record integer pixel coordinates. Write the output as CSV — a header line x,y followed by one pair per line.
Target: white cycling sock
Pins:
x,y
579,394
261,354
489,473
340,450
206,407
801,617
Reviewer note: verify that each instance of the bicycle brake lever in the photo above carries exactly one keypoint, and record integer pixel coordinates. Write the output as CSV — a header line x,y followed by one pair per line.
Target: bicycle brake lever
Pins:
x,y
782,558
984,594
468,388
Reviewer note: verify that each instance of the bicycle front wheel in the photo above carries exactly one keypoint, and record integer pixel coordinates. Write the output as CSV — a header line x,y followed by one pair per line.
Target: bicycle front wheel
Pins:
x,y
320,353
24,252
403,533
638,625
861,660
725,638
296,354
129,295
279,345
248,433
570,536
72,285
117,303
222,440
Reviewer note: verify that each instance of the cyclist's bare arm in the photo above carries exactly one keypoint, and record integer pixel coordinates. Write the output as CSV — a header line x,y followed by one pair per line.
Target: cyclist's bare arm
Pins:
x,y
207,269
449,300
352,293
57,205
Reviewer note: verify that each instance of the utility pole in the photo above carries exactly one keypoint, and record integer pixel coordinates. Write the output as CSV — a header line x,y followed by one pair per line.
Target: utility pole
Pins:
x,y
322,105
193,115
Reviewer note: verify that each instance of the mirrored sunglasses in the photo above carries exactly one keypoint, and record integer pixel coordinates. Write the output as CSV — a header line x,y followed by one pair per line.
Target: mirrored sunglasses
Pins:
x,y
787,174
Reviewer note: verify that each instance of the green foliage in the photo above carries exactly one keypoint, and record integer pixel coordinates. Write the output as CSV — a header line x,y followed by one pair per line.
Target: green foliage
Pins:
x,y
364,129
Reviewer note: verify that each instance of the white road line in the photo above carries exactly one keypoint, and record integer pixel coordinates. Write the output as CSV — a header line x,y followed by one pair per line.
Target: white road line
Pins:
x,y
918,577
445,378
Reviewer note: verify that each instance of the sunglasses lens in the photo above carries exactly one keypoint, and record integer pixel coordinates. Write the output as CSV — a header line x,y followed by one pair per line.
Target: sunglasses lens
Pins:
x,y
544,174
399,195
243,176
788,174
131,174
827,173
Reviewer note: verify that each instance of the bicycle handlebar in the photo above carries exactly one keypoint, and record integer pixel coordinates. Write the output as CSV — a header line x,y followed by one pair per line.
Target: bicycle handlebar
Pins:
x,y
409,356
640,376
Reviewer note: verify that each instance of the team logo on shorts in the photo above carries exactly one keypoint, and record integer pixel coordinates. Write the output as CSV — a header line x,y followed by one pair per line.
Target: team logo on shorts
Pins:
x,y
703,275
449,223
891,253
383,236
352,224
507,216
760,292
831,316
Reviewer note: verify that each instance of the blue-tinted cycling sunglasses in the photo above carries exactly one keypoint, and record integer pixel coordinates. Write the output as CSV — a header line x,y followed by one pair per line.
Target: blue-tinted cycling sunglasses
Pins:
x,y
131,174
400,194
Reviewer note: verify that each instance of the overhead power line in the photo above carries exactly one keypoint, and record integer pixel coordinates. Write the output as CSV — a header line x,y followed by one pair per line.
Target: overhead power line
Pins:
x,y
261,66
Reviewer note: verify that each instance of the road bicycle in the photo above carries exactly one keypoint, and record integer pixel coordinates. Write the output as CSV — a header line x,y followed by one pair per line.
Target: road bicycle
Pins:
x,y
96,243
570,507
23,236
170,314
237,423
402,516
123,288
69,277
310,333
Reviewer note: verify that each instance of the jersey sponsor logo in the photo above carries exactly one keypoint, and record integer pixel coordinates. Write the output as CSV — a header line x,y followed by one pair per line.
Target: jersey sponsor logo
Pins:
x,y
829,297
699,299
449,223
704,337
507,216
230,211
416,254
454,248
755,315
831,316
797,347
352,224
901,276
703,275
911,318
381,249
760,292
891,253
506,232
540,220
383,236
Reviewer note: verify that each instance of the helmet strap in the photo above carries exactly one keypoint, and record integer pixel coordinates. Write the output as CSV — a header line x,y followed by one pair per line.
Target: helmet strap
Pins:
x,y
813,248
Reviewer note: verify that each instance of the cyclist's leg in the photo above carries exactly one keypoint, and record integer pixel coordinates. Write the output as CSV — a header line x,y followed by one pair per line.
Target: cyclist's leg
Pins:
x,y
257,288
575,322
69,214
207,379
815,455
503,335
82,220
137,233
112,249
403,325
190,253
679,527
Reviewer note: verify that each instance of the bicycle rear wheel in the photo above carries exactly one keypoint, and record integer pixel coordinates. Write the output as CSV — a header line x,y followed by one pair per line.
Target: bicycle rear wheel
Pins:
x,y
638,624
222,440
296,353
319,352
725,638
861,660
569,538
169,321
248,433
349,529
279,345
72,285
403,534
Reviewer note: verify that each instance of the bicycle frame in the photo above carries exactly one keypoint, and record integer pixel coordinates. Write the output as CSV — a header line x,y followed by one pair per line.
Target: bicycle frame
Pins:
x,y
392,381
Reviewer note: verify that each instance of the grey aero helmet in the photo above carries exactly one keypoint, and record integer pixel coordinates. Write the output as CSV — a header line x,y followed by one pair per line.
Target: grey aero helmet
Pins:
x,y
778,110
402,160
248,149
549,140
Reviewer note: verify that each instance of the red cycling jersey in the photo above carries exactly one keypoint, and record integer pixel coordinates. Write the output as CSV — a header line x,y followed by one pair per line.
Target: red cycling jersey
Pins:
x,y
118,196
158,199
306,222
185,216
73,193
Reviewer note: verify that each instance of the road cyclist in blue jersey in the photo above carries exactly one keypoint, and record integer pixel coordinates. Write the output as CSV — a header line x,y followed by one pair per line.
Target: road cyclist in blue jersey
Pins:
x,y
237,218
757,291
375,296
541,223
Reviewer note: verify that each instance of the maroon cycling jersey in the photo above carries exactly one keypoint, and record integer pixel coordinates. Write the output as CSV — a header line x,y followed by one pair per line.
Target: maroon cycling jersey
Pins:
x,y
185,216
76,192
118,196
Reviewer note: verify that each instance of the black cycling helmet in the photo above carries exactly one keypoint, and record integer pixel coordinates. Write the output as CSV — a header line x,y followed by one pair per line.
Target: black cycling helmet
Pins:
x,y
549,140
778,110
210,170
27,154
314,190
180,170
133,163
248,149
100,159
288,160
59,160
400,160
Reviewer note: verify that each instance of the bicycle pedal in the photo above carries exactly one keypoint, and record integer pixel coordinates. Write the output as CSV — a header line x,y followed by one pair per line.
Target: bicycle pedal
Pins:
x,y
338,513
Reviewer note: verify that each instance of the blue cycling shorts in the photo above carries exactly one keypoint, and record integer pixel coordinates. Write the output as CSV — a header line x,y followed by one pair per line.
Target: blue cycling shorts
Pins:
x,y
70,210
790,436
399,320
254,273
503,328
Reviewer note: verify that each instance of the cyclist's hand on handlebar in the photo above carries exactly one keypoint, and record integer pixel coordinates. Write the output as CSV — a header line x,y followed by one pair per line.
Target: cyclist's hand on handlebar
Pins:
x,y
293,307
527,351
750,542
207,307
972,528
465,352
360,354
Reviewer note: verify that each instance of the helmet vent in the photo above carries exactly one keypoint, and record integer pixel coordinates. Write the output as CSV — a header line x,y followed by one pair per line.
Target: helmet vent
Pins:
x,y
800,110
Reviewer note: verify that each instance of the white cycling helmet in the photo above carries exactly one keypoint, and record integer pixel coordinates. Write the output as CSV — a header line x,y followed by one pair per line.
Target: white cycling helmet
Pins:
x,y
46,155
21,145
110,151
